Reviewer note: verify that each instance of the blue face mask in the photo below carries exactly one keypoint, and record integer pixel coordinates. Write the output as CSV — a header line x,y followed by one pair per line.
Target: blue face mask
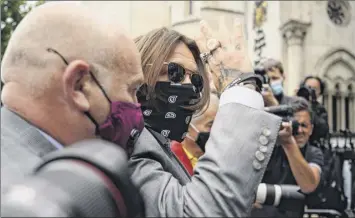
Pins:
x,y
276,87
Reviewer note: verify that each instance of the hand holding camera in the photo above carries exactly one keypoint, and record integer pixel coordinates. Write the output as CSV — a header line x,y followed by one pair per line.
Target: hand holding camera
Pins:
x,y
268,96
307,93
286,135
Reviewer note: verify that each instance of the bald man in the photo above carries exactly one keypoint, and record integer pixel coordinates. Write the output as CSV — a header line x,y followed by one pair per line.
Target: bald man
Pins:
x,y
193,146
68,76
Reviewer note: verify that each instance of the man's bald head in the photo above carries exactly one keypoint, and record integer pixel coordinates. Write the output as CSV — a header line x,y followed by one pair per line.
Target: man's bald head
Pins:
x,y
74,31
201,123
64,62
210,112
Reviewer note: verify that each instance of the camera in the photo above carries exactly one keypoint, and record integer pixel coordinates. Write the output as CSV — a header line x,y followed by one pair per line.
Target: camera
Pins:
x,y
268,194
87,179
261,73
286,113
308,93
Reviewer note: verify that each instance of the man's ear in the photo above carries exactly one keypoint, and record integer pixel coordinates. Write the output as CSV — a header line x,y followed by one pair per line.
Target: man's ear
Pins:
x,y
74,78
311,129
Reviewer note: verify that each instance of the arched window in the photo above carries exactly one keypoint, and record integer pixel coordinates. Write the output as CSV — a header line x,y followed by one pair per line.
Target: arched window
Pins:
x,y
337,67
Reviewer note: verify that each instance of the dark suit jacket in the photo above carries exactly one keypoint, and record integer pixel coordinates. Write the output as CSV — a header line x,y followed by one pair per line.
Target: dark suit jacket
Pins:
x,y
22,147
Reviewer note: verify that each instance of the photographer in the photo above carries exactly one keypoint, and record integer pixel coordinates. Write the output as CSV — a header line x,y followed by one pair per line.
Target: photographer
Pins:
x,y
294,162
311,89
273,91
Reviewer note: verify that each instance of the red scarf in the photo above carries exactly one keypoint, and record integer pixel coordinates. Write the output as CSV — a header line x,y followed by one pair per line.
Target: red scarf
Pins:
x,y
176,147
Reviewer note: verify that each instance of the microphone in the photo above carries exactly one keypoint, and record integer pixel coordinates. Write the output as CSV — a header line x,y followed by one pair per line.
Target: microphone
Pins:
x,y
274,194
86,179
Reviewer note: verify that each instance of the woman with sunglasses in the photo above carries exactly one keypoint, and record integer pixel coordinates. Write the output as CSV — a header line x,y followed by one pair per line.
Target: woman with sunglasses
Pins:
x,y
176,86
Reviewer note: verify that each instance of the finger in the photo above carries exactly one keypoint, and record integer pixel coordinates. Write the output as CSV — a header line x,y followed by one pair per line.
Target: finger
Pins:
x,y
224,34
283,132
286,125
205,33
201,43
239,34
266,87
205,29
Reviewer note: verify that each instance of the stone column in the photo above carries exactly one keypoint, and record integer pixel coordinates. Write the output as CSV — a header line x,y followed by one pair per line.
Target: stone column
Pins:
x,y
352,112
330,111
294,32
342,108
339,112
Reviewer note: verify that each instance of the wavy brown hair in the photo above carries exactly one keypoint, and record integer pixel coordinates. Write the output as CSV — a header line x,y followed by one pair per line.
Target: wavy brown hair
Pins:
x,y
156,46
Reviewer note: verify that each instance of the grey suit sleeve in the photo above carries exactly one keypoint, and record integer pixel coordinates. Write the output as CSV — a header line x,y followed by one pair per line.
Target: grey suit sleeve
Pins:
x,y
225,178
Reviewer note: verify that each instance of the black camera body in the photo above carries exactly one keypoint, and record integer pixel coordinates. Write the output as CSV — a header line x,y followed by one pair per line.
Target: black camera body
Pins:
x,y
261,72
286,113
87,179
307,92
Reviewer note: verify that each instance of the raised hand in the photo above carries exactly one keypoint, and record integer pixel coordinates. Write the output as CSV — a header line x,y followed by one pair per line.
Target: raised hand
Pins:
x,y
225,52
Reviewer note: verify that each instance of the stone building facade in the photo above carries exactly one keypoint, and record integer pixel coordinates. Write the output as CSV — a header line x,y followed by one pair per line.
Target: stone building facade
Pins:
x,y
309,37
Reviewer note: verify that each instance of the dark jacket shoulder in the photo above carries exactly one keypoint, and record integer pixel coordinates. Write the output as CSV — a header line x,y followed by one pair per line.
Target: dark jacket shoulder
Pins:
x,y
22,147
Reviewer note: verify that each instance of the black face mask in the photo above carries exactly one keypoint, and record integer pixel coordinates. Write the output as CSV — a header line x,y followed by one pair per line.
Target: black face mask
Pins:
x,y
201,140
165,113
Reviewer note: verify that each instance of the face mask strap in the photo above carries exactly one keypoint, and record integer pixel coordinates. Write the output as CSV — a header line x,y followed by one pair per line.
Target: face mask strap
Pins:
x,y
97,131
196,130
100,87
188,136
95,80
194,127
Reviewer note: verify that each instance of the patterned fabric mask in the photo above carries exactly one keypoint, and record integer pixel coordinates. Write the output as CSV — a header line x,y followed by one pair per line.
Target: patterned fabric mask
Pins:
x,y
165,113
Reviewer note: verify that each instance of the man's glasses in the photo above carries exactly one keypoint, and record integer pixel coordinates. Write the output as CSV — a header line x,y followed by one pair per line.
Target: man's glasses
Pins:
x,y
177,74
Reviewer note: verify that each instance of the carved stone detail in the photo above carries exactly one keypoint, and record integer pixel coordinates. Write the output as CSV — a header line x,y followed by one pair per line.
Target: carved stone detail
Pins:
x,y
294,32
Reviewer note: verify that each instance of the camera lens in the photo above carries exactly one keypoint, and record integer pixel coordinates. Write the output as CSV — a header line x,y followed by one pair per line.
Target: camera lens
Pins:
x,y
304,92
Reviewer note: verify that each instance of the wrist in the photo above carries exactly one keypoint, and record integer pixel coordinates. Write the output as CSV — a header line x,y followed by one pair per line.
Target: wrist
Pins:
x,y
289,144
275,102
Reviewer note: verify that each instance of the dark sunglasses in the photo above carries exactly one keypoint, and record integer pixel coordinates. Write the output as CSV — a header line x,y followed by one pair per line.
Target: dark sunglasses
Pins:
x,y
177,74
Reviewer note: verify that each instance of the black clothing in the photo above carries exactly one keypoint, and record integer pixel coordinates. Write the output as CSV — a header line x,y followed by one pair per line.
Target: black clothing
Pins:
x,y
279,172
320,124
284,99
